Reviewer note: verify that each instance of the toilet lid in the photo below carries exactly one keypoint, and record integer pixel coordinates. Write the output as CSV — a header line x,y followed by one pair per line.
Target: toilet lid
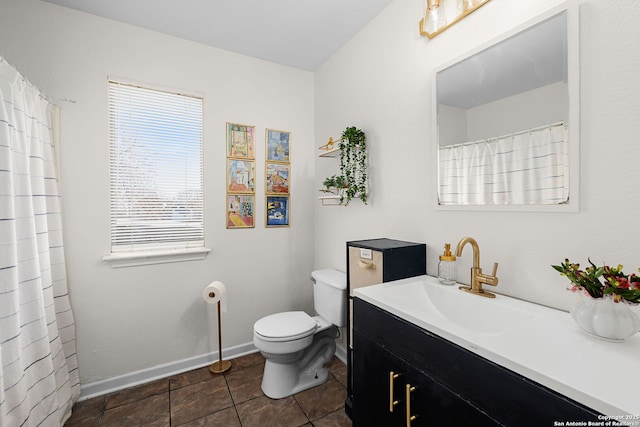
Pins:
x,y
286,326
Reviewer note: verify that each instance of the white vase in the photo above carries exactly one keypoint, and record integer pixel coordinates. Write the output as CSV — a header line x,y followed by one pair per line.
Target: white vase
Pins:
x,y
605,319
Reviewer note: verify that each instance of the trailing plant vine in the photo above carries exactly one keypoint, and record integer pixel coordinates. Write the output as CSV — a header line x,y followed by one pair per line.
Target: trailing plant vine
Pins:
x,y
353,165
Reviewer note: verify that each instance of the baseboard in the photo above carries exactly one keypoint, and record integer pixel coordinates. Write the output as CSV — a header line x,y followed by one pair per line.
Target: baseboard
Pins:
x,y
109,385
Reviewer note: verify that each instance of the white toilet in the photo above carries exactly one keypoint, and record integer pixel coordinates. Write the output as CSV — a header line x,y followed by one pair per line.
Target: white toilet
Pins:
x,y
297,346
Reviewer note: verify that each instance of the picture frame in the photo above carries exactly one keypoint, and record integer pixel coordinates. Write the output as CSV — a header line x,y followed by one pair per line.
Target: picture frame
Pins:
x,y
240,211
277,178
278,144
241,176
240,140
277,211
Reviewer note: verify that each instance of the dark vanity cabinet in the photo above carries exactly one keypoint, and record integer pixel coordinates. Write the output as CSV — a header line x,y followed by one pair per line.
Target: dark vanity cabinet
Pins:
x,y
406,376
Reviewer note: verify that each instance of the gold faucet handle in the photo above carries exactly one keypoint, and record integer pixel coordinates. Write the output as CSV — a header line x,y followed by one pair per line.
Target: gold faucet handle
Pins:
x,y
493,279
495,269
487,279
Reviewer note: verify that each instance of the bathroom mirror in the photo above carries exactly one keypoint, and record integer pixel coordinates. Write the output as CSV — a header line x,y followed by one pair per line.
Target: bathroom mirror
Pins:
x,y
506,120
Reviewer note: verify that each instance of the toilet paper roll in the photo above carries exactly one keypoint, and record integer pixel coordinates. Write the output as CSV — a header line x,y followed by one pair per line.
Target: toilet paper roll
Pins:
x,y
214,292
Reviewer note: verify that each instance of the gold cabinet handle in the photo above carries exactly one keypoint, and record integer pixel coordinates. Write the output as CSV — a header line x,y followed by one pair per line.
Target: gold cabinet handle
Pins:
x,y
410,417
392,403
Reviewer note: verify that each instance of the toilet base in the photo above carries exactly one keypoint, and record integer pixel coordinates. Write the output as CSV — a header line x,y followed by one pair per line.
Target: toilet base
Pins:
x,y
277,384
281,380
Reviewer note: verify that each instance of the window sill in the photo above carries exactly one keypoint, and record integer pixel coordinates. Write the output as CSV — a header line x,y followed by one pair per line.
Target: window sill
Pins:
x,y
132,259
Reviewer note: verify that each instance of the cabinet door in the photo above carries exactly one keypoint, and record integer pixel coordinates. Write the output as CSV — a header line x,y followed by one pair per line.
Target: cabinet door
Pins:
x,y
376,386
432,404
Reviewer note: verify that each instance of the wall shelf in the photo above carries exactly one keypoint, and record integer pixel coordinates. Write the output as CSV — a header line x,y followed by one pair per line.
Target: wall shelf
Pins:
x,y
332,200
334,152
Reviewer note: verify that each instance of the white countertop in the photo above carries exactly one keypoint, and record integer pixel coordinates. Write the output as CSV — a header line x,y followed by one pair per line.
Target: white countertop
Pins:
x,y
547,346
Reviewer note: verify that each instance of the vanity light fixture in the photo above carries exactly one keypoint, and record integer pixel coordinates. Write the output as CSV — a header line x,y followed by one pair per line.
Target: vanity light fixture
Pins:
x,y
442,14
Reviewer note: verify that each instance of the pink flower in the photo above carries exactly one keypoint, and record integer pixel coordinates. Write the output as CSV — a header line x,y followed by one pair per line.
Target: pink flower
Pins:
x,y
622,283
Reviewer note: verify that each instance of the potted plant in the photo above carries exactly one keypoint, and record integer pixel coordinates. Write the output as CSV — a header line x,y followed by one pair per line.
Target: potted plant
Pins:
x,y
606,293
353,165
334,184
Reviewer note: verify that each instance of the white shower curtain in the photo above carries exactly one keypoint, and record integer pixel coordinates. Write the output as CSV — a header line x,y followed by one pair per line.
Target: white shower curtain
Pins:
x,y
39,379
529,167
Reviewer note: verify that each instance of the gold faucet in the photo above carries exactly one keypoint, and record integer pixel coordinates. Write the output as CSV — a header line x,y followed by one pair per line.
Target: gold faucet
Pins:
x,y
477,277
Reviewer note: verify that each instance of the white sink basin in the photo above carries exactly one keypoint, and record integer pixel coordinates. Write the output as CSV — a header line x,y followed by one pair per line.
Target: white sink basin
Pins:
x,y
425,298
466,310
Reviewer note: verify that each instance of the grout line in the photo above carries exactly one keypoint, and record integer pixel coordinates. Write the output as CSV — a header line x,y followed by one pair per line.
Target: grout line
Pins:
x,y
233,401
235,408
170,416
102,411
301,409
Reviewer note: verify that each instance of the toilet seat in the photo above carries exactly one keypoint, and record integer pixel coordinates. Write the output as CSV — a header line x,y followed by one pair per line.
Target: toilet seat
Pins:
x,y
286,326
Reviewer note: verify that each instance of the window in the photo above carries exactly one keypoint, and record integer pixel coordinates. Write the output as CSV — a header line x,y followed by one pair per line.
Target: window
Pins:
x,y
156,183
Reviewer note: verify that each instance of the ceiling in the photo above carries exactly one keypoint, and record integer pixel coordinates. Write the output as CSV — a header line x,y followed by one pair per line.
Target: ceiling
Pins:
x,y
298,33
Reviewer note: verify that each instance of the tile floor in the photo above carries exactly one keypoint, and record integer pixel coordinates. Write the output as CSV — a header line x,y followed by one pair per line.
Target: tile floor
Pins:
x,y
199,398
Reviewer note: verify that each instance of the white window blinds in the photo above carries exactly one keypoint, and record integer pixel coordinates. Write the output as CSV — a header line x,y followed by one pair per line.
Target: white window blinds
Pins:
x,y
156,169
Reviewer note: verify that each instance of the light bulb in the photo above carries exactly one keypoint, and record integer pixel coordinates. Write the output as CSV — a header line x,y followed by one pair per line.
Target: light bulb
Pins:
x,y
434,17
466,4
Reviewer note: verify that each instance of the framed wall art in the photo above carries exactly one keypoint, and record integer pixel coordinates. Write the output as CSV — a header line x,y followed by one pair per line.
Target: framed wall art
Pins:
x,y
241,176
277,211
240,211
240,141
277,145
277,178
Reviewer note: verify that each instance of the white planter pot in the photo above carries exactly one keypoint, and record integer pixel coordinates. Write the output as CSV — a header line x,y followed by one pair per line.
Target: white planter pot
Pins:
x,y
605,319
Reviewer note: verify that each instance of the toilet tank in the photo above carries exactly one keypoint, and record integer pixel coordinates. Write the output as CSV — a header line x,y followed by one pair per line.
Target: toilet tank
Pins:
x,y
330,295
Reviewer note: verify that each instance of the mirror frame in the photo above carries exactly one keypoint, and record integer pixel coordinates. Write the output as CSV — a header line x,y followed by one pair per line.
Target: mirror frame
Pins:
x,y
573,86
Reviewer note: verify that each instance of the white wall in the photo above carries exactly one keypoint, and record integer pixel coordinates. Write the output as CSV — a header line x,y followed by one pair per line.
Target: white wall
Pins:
x,y
137,318
380,82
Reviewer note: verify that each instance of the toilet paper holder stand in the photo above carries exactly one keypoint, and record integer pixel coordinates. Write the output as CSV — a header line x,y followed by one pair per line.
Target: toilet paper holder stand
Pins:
x,y
221,365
